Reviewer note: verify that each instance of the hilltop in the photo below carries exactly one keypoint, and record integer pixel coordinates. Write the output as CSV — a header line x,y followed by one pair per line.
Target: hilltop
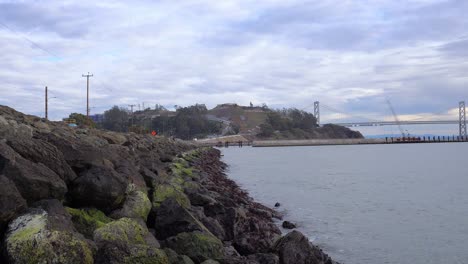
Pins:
x,y
251,122
247,118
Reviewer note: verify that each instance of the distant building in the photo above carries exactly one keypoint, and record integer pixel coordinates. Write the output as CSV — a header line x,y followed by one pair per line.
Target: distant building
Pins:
x,y
97,118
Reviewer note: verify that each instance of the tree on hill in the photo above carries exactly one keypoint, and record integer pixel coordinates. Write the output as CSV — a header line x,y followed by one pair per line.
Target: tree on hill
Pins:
x,y
116,119
191,122
290,122
82,120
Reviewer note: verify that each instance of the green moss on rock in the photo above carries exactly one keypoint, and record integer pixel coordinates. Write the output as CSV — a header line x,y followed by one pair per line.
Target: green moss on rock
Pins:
x,y
87,220
128,241
29,241
165,191
136,205
124,230
182,168
198,246
145,255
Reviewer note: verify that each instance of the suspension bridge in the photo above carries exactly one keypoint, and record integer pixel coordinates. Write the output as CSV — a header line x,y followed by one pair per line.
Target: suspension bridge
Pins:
x,y
461,121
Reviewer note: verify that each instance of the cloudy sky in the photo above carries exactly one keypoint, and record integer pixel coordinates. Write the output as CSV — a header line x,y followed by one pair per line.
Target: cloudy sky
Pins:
x,y
351,55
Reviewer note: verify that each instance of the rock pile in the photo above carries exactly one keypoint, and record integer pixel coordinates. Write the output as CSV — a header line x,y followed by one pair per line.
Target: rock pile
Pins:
x,y
72,195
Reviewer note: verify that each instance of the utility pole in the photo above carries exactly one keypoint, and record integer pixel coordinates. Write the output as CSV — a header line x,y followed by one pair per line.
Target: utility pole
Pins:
x,y
87,91
46,107
131,107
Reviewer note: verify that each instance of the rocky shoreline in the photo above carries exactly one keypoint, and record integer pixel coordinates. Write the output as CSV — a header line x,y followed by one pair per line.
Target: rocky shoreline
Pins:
x,y
72,195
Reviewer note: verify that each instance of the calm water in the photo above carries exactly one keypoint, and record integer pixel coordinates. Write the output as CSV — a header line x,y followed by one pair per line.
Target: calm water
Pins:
x,y
367,204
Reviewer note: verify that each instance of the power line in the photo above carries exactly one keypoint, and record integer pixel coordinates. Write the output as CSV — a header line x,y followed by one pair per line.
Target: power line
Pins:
x,y
29,40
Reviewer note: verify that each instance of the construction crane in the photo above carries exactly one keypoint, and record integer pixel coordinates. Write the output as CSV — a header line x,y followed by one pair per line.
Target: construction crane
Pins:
x,y
396,119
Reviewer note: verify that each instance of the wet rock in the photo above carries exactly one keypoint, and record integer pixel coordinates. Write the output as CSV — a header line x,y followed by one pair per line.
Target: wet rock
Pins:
x,y
214,227
121,254
250,233
288,225
172,219
127,241
265,258
165,158
11,201
199,199
277,204
174,258
295,248
150,177
239,260
46,236
34,181
210,261
100,187
198,246
136,205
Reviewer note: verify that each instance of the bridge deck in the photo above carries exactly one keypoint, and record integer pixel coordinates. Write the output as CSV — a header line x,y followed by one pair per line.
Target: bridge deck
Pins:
x,y
394,123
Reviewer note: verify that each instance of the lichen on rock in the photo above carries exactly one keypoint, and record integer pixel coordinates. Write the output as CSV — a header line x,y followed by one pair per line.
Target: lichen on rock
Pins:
x,y
127,241
136,205
165,191
28,240
87,220
197,245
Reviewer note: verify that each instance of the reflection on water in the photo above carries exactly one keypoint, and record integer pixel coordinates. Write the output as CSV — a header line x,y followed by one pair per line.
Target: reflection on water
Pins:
x,y
369,203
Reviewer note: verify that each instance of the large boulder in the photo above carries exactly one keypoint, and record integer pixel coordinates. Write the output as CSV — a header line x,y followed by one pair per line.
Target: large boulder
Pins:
x,y
99,186
265,258
172,218
249,232
45,234
40,151
11,201
12,129
34,181
136,205
295,248
127,241
175,258
198,246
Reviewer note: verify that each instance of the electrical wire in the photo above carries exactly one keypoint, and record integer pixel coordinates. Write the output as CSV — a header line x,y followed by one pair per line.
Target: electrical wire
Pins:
x,y
29,40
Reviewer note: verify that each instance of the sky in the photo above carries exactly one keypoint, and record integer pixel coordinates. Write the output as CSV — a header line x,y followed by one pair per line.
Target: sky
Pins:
x,y
351,55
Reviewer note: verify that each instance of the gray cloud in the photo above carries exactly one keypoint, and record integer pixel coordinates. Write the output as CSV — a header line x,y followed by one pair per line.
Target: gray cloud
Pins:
x,y
349,55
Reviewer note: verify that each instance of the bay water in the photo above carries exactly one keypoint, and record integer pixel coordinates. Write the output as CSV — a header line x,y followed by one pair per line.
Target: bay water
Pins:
x,y
366,204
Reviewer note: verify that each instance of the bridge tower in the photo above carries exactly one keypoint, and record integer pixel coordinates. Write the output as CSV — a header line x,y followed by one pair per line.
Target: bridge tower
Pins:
x,y
317,111
462,119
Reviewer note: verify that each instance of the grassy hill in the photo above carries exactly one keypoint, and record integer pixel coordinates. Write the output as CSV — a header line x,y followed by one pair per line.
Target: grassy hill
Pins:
x,y
247,118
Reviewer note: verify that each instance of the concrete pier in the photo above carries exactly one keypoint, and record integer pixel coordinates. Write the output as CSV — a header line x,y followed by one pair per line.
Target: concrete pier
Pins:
x,y
316,142
358,141
231,141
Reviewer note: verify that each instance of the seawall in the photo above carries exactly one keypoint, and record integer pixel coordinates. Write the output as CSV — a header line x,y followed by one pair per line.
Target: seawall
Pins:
x,y
316,142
